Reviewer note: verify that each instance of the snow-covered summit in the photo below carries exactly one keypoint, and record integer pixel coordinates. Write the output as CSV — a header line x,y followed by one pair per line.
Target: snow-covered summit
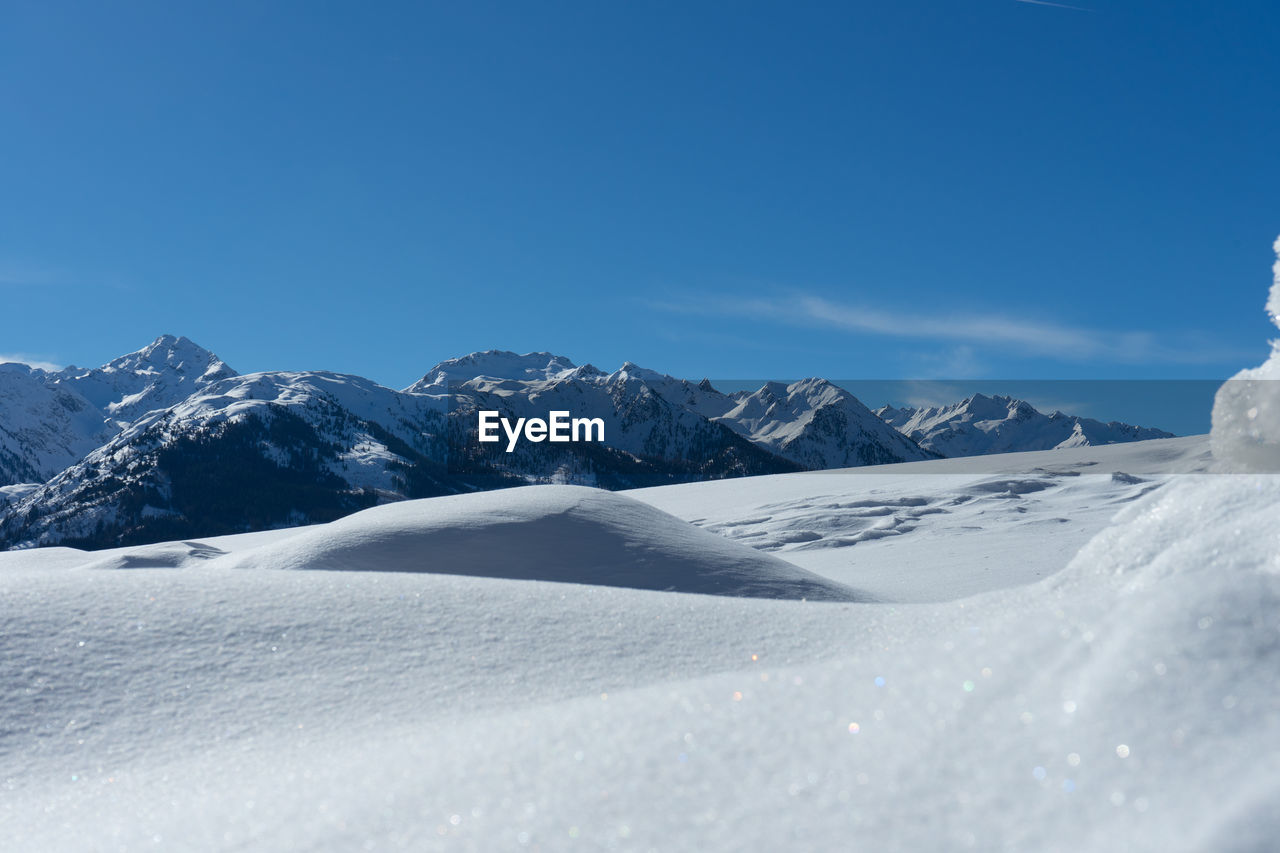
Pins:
x,y
51,419
171,354
631,370
247,452
493,364
160,374
818,425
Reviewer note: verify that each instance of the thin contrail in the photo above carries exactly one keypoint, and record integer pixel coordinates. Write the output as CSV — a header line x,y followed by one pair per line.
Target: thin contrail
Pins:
x,y
1056,5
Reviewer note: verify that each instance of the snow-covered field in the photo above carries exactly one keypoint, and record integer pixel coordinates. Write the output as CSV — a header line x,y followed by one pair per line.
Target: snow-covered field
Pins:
x,y
939,530
997,666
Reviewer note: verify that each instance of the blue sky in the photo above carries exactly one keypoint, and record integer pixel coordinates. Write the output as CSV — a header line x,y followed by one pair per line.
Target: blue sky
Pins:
x,y
898,189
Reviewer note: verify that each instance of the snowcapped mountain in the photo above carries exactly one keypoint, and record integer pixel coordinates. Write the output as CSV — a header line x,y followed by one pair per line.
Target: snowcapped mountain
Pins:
x,y
52,419
244,453
818,426
980,424
493,365
275,449
165,372
235,453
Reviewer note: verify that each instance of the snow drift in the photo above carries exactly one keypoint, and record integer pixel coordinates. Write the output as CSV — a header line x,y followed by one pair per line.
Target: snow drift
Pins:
x,y
567,534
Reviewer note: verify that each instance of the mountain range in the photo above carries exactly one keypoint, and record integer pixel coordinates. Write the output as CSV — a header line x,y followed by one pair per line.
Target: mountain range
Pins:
x,y
980,425
169,442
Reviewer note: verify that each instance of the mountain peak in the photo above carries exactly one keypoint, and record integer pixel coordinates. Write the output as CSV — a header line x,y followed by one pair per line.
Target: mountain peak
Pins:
x,y
631,370
985,407
156,376
812,384
171,353
168,342
495,364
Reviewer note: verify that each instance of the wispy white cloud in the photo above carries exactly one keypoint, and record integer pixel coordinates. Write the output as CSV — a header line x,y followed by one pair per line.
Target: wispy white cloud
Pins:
x,y
1055,5
973,333
959,362
29,360
927,393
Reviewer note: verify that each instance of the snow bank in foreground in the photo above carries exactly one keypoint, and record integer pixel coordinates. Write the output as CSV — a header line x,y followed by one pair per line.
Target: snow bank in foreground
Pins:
x,y
569,534
1128,703
1246,411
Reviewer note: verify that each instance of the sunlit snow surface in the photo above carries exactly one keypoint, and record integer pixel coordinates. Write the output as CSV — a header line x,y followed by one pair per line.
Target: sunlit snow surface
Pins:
x,y
940,530
1120,698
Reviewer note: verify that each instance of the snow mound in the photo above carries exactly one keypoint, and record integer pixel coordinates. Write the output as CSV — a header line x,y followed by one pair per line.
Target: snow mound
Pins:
x,y
568,534
1190,638
1209,528
162,555
1246,410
